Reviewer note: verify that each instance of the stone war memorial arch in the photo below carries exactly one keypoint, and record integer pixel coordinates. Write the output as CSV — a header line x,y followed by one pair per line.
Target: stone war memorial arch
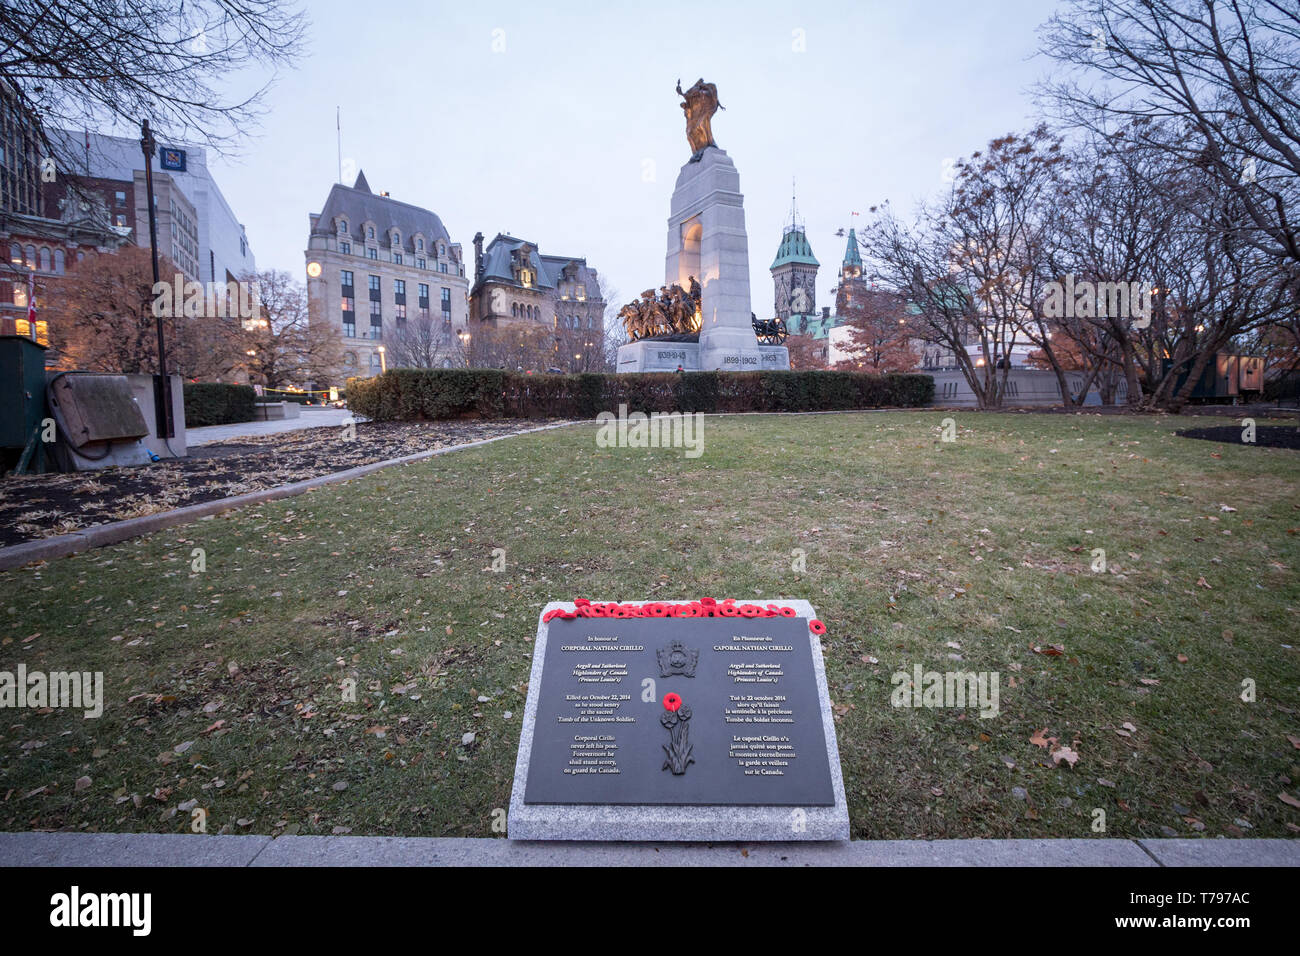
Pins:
x,y
701,320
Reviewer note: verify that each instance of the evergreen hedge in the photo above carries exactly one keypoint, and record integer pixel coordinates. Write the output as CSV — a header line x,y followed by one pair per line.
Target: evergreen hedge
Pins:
x,y
213,403
429,394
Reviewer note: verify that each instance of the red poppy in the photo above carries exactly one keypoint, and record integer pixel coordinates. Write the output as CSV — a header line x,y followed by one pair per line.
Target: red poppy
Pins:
x,y
672,701
816,626
787,612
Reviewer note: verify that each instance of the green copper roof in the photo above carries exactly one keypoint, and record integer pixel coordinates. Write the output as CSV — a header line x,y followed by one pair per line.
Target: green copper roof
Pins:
x,y
851,255
794,248
816,326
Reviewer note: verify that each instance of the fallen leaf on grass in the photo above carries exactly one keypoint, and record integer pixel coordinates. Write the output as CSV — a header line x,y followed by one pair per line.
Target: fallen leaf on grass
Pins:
x,y
1289,800
1064,754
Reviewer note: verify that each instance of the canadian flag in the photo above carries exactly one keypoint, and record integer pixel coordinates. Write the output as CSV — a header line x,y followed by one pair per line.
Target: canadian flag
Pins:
x,y
31,305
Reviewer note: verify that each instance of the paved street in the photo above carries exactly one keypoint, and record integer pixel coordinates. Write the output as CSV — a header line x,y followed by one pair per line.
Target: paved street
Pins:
x,y
311,417
162,849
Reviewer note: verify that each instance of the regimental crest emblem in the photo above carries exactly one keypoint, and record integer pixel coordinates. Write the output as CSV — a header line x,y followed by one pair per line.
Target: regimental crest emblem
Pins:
x,y
677,660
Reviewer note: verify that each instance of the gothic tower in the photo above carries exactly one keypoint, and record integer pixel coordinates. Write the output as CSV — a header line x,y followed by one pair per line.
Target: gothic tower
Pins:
x,y
851,283
794,274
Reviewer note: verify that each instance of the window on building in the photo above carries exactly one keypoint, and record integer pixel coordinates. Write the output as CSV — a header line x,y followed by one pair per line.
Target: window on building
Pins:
x,y
370,232
58,261
343,225
346,278
399,311
120,196
345,248
446,300
350,324
373,285
442,267
372,253
15,254
397,238
349,303
376,363
350,359
45,259
399,289
419,245
421,263
397,257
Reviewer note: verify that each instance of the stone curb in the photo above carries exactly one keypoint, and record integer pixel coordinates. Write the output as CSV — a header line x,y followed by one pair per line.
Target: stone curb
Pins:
x,y
59,546
166,849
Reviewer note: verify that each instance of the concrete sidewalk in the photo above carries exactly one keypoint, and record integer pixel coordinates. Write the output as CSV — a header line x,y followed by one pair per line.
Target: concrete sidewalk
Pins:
x,y
312,417
161,849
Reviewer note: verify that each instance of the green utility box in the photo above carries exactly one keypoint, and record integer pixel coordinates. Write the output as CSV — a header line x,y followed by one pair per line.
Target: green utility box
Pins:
x,y
22,399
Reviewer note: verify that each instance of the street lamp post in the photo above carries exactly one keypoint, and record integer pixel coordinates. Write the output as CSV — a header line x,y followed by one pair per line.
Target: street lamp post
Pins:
x,y
383,362
162,390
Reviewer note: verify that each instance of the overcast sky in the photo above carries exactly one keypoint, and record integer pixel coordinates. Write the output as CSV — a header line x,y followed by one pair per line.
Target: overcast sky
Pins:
x,y
558,122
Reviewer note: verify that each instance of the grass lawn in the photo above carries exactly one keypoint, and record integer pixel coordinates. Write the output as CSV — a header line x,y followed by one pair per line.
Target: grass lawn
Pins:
x,y
223,686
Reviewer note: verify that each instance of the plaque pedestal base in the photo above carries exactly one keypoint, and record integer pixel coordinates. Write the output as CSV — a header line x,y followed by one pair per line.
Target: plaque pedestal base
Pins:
x,y
604,722
652,356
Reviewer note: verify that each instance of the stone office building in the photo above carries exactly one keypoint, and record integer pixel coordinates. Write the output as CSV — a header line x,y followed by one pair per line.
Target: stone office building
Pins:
x,y
211,246
374,264
516,286
42,239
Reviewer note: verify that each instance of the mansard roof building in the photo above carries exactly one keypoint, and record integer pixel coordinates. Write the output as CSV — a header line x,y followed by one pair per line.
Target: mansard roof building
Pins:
x,y
402,259
517,286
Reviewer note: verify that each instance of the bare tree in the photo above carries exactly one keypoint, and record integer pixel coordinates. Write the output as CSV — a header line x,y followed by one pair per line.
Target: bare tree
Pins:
x,y
880,333
1223,73
281,345
101,318
424,342
513,347
94,63
971,265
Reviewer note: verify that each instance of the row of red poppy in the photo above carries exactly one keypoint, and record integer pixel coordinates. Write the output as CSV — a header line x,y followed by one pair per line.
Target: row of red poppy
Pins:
x,y
704,607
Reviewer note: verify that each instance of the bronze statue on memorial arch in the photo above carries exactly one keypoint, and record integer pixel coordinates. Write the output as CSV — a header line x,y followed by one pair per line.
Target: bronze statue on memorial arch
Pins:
x,y
671,314
701,102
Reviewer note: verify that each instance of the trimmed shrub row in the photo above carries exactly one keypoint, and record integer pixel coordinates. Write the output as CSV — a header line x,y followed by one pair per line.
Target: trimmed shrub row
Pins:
x,y
212,403
414,394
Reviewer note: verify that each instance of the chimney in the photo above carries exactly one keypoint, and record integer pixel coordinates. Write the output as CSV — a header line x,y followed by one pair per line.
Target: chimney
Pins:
x,y
478,257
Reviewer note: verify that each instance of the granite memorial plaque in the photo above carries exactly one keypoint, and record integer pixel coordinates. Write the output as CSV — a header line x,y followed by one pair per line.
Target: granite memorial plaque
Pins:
x,y
678,728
